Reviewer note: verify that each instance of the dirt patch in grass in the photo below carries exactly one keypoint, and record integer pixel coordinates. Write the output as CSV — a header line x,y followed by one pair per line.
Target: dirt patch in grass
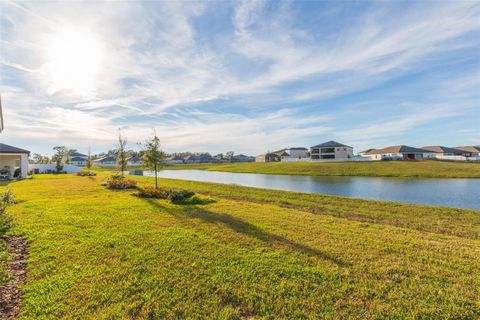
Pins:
x,y
10,297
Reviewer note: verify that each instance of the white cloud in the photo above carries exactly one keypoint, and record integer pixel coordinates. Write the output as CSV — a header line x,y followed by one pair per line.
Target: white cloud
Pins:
x,y
156,61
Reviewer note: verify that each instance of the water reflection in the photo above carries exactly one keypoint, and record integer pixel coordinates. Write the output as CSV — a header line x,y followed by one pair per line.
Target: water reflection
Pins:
x,y
461,193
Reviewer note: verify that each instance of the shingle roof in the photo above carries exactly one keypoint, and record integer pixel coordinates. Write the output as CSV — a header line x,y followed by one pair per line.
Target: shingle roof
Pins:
x,y
367,151
397,149
78,159
106,159
330,144
5,148
473,149
77,154
442,149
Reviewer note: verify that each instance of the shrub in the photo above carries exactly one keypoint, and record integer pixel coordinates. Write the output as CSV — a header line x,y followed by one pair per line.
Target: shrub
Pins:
x,y
150,192
6,199
174,195
86,174
117,182
179,195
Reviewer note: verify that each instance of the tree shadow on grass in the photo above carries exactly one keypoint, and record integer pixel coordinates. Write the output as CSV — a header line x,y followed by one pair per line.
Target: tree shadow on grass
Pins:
x,y
241,226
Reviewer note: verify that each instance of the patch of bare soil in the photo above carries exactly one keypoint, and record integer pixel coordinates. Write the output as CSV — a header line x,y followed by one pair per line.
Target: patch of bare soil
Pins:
x,y
10,297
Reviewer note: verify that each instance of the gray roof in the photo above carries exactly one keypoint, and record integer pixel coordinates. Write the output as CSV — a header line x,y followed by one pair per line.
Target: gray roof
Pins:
x,y
5,148
78,159
330,144
442,149
77,154
397,149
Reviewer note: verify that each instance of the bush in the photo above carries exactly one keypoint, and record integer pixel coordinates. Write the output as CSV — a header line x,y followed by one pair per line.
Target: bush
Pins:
x,y
179,195
174,195
6,199
86,174
118,182
150,192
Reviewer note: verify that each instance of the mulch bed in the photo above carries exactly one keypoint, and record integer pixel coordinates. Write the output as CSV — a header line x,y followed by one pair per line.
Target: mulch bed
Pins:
x,y
10,297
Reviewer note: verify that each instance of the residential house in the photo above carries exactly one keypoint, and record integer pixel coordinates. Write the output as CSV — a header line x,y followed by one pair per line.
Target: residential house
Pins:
x,y
293,154
106,161
134,161
469,151
401,152
78,161
441,152
174,160
242,158
331,150
268,157
75,158
13,162
364,152
200,158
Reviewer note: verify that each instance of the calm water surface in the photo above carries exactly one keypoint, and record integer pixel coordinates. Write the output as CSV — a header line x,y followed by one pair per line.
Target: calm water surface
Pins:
x,y
459,193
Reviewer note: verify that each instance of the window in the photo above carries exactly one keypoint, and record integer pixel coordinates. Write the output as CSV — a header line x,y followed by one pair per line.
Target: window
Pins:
x,y
328,150
328,156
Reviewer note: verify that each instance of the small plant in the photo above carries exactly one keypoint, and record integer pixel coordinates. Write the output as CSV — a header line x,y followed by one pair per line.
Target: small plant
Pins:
x,y
6,199
179,195
86,174
150,192
117,182
174,195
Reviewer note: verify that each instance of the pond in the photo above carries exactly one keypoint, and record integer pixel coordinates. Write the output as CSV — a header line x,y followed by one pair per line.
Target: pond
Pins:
x,y
458,193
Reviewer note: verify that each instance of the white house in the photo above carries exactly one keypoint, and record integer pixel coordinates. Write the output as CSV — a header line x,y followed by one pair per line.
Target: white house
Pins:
x,y
13,162
331,150
293,154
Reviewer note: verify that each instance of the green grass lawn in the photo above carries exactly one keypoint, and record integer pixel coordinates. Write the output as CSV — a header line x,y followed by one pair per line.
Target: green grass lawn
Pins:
x,y
251,253
413,169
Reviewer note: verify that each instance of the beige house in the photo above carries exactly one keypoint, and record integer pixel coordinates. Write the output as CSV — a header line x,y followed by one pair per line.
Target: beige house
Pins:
x,y
439,152
396,153
331,150
268,157
469,151
13,162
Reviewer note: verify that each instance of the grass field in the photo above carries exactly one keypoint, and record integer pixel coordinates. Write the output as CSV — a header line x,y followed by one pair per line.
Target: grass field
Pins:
x,y
412,169
240,253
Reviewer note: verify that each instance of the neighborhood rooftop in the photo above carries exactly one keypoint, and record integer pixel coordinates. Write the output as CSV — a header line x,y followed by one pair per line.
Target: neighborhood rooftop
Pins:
x,y
330,144
442,149
397,149
5,148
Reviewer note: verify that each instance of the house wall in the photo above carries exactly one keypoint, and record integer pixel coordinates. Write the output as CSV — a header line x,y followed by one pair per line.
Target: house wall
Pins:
x,y
294,153
79,163
261,158
336,153
105,164
44,167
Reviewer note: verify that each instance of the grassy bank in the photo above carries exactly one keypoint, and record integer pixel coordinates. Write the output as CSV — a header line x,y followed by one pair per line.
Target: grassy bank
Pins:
x,y
95,253
410,169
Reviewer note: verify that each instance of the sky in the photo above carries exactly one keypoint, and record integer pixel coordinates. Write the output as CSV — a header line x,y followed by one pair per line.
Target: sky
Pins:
x,y
249,76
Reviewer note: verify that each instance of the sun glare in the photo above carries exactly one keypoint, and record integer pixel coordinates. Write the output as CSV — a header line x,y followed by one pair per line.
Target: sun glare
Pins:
x,y
73,61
